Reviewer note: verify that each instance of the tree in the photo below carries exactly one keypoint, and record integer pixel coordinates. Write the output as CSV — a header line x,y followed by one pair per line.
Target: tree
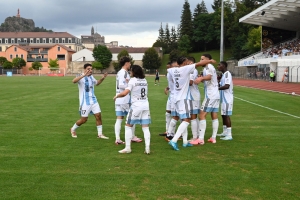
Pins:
x,y
36,65
175,54
97,65
151,59
2,60
53,64
173,42
186,24
216,5
102,54
200,9
254,40
19,63
122,53
7,65
161,34
184,44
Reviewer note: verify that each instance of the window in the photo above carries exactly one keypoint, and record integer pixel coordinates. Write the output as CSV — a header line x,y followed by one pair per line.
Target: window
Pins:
x,y
50,40
31,40
70,41
0,48
70,47
63,40
44,40
16,49
37,40
61,57
6,41
10,56
17,56
58,48
22,56
12,41
56,40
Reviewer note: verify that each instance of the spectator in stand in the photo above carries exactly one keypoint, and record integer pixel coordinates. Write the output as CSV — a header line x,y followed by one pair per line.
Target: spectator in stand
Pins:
x,y
272,74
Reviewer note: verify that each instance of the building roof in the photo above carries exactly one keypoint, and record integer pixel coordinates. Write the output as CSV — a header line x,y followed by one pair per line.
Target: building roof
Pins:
x,y
281,14
36,34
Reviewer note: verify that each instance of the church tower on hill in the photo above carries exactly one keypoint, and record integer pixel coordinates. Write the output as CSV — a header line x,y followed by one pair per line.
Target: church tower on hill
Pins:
x,y
18,15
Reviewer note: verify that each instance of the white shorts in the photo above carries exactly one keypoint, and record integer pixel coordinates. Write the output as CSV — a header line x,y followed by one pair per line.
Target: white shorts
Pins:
x,y
122,109
171,106
195,107
183,108
85,110
210,105
138,117
226,108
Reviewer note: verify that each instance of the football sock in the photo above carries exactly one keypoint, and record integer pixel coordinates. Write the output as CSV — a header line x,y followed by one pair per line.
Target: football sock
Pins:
x,y
202,127
181,129
215,126
229,132
74,127
224,129
168,119
185,136
99,129
146,136
118,128
128,136
194,127
172,127
133,131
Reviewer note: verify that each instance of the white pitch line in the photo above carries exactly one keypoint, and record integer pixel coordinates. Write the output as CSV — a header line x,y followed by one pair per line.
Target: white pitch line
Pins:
x,y
268,108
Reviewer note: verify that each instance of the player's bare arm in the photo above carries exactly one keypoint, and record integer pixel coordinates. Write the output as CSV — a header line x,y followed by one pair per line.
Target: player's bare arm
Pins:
x,y
204,62
225,87
202,78
87,72
122,94
102,79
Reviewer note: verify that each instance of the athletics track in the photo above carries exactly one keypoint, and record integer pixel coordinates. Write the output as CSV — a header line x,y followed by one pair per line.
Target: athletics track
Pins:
x,y
280,87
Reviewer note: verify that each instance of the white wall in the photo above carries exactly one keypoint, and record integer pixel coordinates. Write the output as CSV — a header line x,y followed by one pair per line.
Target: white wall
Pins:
x,y
84,53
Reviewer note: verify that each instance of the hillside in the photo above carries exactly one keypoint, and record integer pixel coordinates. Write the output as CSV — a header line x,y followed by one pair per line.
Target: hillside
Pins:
x,y
20,24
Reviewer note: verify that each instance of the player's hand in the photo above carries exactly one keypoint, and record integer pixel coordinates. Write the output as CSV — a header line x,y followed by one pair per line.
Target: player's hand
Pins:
x,y
198,80
213,61
115,98
105,75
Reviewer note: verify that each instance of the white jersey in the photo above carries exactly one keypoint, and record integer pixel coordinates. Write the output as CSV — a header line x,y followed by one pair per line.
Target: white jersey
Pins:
x,y
226,95
195,93
139,91
211,87
181,79
86,90
122,79
171,87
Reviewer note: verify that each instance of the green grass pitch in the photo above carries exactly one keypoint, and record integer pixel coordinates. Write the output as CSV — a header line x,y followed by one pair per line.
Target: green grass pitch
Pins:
x,y
40,160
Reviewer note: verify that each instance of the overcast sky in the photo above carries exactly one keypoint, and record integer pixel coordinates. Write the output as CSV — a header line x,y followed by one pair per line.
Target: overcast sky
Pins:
x,y
130,22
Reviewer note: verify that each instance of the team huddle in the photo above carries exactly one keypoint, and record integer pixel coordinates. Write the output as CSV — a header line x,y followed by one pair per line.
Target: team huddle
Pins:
x,y
131,101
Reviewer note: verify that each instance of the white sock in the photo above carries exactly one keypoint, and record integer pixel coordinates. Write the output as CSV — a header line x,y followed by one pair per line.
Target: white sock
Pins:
x,y
172,127
128,136
198,124
185,136
99,129
229,132
133,131
118,128
215,127
202,127
74,127
194,127
180,131
224,129
147,137
168,120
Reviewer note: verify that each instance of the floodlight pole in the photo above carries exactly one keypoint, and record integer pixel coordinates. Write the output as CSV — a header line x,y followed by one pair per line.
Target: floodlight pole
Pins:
x,y
222,31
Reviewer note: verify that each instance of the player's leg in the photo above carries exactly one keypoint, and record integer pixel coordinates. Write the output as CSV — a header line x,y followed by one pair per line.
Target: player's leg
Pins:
x,y
145,121
84,112
214,109
97,114
227,120
183,108
120,113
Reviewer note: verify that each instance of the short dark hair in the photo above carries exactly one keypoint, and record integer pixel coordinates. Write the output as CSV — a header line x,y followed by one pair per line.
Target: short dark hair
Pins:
x,y
191,59
87,65
207,55
124,60
169,63
137,71
181,59
224,63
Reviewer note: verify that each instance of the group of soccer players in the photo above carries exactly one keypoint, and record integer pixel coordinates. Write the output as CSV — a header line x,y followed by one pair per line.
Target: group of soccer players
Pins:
x,y
184,100
131,101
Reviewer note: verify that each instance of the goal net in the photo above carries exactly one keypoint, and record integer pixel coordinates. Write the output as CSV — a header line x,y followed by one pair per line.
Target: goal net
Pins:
x,y
45,71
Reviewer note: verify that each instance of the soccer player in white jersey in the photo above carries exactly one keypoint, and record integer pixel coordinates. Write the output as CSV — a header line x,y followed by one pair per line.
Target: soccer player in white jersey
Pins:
x,y
87,100
139,112
171,114
195,103
226,93
122,104
182,96
210,103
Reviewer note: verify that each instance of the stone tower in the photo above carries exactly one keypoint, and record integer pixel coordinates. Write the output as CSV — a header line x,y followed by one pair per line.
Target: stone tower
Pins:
x,y
18,15
92,31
